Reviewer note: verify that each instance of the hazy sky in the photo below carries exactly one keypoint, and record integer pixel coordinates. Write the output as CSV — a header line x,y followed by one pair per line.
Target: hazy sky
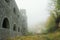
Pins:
x,y
36,10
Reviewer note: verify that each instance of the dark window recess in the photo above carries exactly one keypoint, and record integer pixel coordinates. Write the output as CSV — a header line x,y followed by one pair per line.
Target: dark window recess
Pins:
x,y
18,15
7,1
14,28
14,10
18,29
5,23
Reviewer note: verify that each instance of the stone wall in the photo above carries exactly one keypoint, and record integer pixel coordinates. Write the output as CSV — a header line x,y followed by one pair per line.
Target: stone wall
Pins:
x,y
10,23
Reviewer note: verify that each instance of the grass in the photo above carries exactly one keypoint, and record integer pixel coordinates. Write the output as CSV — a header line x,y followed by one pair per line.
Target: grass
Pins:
x,y
50,36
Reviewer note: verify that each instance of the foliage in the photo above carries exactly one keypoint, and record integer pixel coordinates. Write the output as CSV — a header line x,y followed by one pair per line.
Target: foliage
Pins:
x,y
54,15
29,33
50,24
50,36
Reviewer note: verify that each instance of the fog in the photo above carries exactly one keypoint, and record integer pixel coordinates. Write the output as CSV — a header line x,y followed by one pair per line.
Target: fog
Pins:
x,y
36,11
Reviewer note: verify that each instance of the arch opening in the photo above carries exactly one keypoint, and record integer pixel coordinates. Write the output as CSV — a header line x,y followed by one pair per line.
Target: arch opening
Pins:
x,y
5,23
14,28
18,29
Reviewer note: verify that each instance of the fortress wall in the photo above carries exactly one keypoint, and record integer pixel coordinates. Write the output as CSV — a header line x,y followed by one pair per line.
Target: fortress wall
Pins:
x,y
9,11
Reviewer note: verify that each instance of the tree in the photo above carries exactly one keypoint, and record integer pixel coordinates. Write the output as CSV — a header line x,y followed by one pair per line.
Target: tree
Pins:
x,y
54,15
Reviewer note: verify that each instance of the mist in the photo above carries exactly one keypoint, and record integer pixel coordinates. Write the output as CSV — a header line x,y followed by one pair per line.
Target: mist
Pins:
x,y
36,11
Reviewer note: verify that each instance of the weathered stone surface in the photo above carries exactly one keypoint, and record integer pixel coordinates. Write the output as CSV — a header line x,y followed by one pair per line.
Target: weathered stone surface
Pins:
x,y
9,19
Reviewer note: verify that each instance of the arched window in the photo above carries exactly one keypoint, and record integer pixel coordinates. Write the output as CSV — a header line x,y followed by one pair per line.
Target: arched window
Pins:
x,y
18,29
14,28
14,10
5,23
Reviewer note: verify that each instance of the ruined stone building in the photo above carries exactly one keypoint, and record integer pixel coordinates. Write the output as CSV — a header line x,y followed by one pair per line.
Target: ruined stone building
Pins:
x,y
23,21
12,21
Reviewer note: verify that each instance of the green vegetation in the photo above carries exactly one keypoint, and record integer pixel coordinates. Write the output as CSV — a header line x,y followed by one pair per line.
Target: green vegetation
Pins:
x,y
54,19
50,24
50,36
